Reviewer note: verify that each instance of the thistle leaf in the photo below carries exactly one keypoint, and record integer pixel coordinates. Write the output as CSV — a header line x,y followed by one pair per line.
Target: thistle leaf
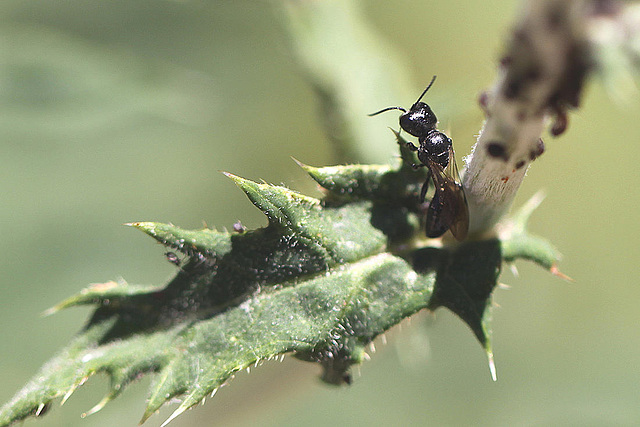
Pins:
x,y
321,281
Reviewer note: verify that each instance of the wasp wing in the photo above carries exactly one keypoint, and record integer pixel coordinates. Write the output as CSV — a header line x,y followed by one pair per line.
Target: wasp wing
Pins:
x,y
448,208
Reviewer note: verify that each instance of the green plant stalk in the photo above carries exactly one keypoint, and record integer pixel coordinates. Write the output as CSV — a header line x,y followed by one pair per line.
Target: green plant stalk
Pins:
x,y
352,70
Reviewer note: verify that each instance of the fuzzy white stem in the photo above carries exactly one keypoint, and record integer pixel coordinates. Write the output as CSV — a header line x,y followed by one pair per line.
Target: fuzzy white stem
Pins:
x,y
540,78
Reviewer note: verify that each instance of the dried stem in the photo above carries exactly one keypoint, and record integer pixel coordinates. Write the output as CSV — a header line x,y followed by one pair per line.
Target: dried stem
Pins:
x,y
553,47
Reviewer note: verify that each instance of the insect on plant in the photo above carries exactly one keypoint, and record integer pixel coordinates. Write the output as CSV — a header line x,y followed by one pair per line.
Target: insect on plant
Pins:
x,y
448,208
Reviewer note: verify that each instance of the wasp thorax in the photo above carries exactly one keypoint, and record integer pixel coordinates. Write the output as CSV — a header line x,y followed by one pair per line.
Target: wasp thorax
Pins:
x,y
435,146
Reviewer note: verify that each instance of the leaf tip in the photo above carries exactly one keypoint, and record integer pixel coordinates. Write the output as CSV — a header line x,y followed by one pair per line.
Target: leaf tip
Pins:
x,y
51,310
302,165
42,408
98,407
245,184
524,213
492,366
234,177
556,272
313,172
514,269
175,415
147,414
146,227
323,176
60,306
68,394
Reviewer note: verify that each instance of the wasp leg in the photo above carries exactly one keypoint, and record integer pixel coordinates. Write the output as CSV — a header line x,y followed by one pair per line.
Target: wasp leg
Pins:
x,y
423,192
425,188
411,146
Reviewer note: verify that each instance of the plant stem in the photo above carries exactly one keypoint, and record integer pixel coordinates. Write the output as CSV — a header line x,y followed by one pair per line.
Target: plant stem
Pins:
x,y
541,76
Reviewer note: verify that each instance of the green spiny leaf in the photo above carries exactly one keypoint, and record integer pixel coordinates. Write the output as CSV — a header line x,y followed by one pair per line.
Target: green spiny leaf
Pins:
x,y
362,181
517,242
333,232
466,278
102,293
203,241
320,282
399,183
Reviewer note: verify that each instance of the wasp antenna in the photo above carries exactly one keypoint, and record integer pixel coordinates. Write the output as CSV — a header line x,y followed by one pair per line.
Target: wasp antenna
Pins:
x,y
428,87
387,109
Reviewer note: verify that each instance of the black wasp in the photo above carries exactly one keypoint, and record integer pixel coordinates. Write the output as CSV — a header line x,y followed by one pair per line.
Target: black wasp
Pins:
x,y
448,208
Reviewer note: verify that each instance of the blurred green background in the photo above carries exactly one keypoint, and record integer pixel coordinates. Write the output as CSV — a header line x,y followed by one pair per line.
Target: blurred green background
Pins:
x,y
120,111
